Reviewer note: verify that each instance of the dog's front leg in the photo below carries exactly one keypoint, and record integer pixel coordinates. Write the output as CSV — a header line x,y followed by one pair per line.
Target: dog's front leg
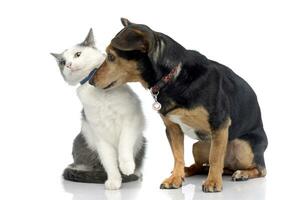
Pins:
x,y
213,183
176,140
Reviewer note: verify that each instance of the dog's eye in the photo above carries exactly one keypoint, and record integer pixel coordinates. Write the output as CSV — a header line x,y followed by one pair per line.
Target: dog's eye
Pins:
x,y
77,54
62,62
110,57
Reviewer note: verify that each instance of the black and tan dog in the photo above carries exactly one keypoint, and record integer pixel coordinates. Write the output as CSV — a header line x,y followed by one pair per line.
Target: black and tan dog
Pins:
x,y
199,97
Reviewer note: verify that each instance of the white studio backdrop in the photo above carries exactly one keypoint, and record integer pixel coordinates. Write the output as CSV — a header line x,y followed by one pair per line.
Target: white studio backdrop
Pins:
x,y
40,113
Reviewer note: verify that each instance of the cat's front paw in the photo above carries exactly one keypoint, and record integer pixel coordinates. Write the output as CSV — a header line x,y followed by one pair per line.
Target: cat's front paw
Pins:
x,y
113,184
127,167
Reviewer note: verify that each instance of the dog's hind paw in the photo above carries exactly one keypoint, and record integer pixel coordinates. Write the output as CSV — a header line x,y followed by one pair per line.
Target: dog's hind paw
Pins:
x,y
239,175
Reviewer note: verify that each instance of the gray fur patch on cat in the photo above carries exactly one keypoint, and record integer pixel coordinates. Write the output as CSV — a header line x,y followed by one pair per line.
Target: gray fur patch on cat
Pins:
x,y
87,167
83,116
60,61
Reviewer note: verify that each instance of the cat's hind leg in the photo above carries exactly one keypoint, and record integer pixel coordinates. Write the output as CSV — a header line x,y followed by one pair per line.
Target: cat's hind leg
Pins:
x,y
86,167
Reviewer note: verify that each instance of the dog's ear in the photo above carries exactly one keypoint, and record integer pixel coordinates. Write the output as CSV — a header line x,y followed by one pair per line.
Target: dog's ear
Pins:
x,y
125,22
130,39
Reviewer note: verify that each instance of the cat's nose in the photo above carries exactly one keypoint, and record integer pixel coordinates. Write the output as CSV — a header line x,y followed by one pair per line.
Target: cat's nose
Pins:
x,y
68,65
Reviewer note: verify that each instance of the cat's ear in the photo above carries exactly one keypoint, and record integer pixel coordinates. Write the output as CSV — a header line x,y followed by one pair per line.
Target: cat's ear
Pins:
x,y
89,40
57,56
125,22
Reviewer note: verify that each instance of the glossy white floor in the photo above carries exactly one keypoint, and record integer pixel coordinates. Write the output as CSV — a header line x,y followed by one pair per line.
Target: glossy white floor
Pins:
x,y
39,178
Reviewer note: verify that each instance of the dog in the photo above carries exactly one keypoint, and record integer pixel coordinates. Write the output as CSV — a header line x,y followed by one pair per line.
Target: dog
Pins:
x,y
195,96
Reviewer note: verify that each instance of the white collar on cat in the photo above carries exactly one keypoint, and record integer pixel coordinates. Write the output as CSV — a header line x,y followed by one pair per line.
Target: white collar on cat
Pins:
x,y
88,77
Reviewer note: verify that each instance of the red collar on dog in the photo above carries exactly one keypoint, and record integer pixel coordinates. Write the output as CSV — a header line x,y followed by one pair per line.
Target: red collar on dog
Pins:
x,y
160,84
165,80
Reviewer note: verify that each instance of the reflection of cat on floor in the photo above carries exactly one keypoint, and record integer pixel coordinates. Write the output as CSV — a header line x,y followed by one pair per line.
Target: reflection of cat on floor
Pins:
x,y
82,191
112,123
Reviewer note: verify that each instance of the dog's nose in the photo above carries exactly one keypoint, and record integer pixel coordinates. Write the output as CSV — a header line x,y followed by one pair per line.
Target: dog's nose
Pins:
x,y
91,81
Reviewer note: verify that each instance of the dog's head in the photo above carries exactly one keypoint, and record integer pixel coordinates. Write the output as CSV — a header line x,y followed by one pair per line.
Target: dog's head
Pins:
x,y
127,57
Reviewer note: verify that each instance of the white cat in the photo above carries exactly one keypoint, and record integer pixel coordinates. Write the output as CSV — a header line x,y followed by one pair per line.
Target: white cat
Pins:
x,y
112,122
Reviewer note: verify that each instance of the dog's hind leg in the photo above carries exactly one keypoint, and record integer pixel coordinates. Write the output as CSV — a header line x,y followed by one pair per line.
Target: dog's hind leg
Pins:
x,y
252,172
201,156
241,161
244,161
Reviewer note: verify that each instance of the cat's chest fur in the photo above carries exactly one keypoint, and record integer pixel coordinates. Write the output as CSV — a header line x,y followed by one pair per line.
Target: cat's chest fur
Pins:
x,y
95,100
104,112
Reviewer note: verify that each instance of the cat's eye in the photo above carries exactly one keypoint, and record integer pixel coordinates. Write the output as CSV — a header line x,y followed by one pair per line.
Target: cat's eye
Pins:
x,y
110,57
62,62
77,54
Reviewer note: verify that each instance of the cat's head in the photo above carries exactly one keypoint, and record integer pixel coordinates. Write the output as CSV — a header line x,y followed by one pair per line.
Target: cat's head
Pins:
x,y
78,61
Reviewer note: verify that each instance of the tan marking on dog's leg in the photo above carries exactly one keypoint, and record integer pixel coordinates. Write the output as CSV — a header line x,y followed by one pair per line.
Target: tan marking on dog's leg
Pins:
x,y
239,155
213,183
196,118
201,156
176,140
240,159
192,170
201,152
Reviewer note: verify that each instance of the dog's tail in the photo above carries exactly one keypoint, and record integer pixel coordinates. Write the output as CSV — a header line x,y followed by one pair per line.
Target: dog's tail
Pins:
x,y
91,176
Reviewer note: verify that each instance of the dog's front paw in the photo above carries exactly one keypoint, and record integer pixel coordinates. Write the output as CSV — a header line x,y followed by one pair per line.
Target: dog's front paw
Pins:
x,y
212,185
113,184
173,182
127,167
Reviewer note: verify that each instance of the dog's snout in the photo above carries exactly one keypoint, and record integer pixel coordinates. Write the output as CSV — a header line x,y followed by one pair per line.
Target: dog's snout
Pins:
x,y
91,81
92,76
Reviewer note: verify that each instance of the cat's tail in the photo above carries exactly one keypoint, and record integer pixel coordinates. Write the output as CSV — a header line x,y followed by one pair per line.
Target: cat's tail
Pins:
x,y
91,176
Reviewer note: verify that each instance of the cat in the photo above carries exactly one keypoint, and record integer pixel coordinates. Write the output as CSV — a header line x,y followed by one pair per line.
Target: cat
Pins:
x,y
110,147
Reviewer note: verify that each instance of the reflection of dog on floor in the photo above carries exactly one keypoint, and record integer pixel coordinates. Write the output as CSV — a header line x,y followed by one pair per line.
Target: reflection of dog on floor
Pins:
x,y
198,97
